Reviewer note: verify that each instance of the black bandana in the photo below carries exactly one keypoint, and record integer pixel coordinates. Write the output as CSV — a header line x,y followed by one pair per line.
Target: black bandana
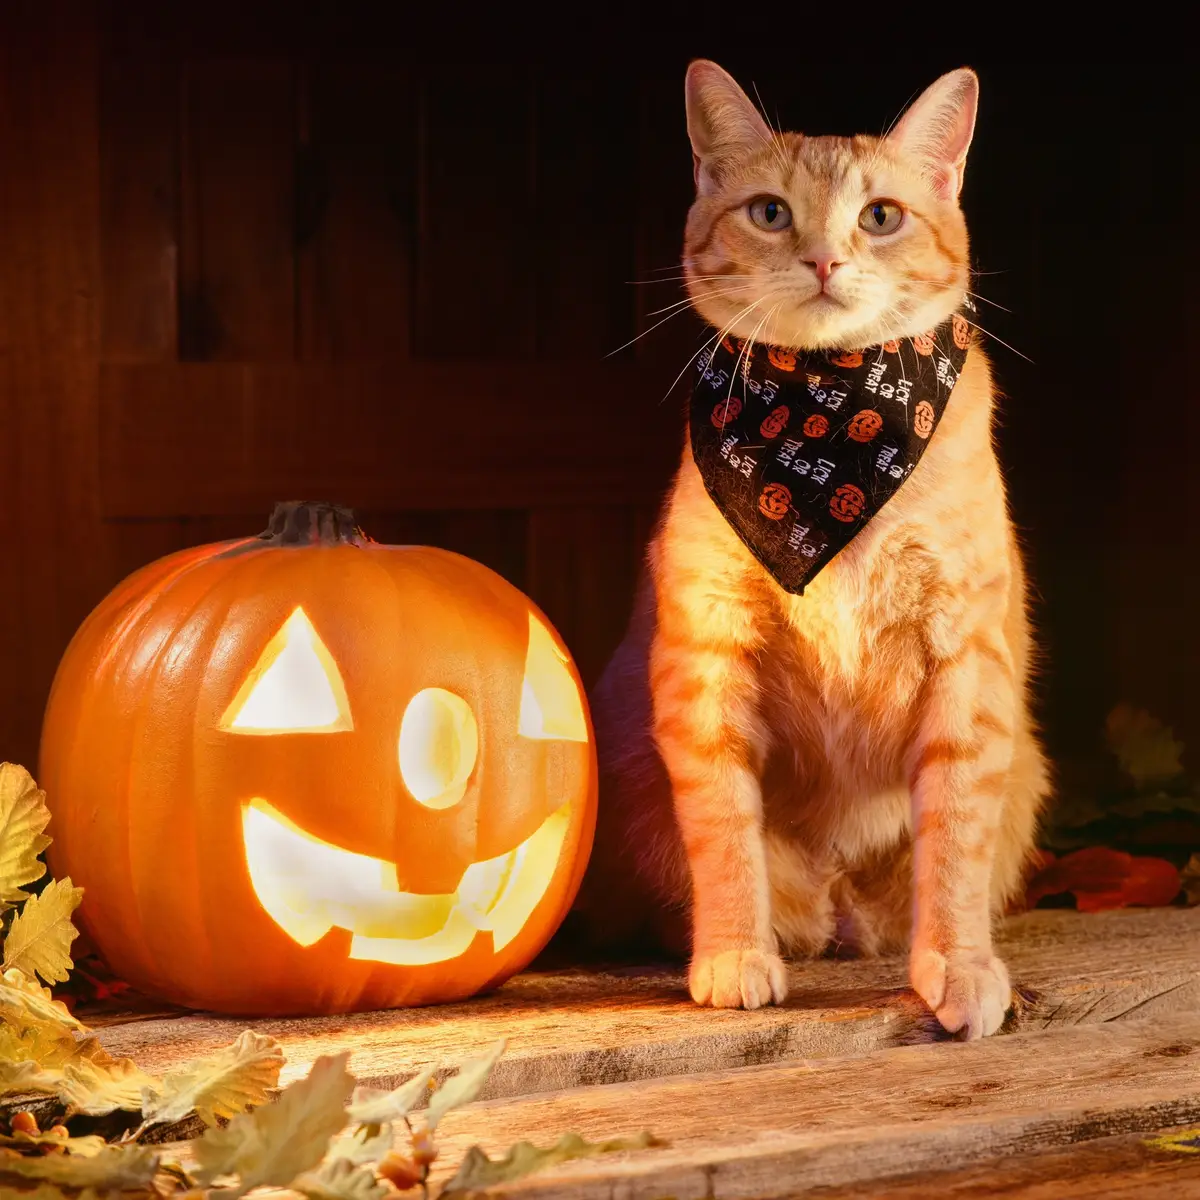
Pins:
x,y
799,450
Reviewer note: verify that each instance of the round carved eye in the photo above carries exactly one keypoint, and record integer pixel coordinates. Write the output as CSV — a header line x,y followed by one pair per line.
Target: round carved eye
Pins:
x,y
881,216
770,213
439,743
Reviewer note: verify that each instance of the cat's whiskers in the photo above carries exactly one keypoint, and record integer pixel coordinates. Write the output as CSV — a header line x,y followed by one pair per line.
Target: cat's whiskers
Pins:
x,y
710,341
988,332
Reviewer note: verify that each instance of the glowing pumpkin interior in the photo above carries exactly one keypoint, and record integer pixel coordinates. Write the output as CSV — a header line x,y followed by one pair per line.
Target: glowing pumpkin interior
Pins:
x,y
309,886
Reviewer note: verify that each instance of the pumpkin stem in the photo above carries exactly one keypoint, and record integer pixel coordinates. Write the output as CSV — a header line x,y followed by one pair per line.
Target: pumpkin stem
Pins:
x,y
313,523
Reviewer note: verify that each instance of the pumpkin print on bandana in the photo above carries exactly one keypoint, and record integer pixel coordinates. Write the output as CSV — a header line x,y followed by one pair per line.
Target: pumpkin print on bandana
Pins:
x,y
798,488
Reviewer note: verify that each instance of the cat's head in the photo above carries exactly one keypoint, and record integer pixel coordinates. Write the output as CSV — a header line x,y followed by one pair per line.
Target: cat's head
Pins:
x,y
813,242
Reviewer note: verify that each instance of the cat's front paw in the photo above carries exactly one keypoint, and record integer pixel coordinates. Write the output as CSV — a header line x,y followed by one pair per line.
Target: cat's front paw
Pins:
x,y
968,992
738,979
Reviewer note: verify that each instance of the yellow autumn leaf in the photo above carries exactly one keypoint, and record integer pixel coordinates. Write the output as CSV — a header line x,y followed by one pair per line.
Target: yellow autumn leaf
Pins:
x,y
95,1084
464,1087
479,1172
39,939
23,816
47,1045
340,1179
24,1003
116,1168
373,1106
366,1144
21,1078
86,1146
224,1085
276,1143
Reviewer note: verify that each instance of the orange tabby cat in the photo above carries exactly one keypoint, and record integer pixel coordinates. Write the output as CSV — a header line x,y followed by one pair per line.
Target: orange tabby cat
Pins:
x,y
856,765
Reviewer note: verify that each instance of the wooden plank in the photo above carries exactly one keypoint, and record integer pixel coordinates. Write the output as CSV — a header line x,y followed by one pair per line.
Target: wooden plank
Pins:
x,y
583,565
580,1027
50,539
474,261
139,201
360,179
238,266
788,1131
207,439
1124,1167
587,151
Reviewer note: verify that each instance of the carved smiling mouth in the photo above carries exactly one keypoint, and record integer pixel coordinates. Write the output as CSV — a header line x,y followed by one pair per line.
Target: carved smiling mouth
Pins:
x,y
308,887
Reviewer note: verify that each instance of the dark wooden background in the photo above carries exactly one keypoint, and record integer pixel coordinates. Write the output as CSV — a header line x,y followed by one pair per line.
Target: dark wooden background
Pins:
x,y
247,256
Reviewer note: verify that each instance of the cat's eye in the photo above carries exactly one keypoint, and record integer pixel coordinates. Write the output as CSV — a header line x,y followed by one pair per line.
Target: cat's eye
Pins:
x,y
881,216
770,213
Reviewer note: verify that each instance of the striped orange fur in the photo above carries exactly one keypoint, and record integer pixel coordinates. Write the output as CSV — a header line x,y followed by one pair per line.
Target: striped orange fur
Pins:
x,y
857,766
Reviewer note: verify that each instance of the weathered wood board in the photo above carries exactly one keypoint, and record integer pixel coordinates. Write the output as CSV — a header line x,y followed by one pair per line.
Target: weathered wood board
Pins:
x,y
581,1028
906,1114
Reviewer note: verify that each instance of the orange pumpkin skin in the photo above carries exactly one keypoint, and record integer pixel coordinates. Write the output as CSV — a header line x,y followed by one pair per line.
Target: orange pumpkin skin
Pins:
x,y
147,790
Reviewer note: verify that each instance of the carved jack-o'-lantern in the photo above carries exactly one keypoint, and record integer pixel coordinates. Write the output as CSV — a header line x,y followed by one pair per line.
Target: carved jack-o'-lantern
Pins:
x,y
816,425
725,411
775,421
923,343
864,425
892,346
846,358
783,360
307,773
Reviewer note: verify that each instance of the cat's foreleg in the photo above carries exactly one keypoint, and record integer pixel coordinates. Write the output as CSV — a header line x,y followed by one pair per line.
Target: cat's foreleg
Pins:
x,y
959,772
708,729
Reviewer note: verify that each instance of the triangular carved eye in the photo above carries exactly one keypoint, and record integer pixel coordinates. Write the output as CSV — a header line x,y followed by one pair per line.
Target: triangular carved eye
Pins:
x,y
551,706
295,687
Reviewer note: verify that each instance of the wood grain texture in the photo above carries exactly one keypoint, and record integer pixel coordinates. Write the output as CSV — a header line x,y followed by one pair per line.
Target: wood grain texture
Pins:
x,y
787,1130
140,98
220,438
51,541
587,1027
238,277
356,208
1122,1167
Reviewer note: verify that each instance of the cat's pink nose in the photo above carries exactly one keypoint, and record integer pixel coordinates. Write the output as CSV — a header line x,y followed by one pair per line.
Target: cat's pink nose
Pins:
x,y
824,265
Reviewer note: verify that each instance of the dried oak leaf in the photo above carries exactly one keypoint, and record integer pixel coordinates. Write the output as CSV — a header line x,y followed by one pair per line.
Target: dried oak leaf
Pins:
x,y
24,1004
95,1084
115,1168
366,1144
373,1106
229,1082
1100,879
479,1171
23,816
1189,877
39,939
276,1143
49,1046
464,1087
340,1179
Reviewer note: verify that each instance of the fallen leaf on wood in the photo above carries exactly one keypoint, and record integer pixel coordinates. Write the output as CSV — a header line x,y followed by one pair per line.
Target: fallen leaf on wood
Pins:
x,y
279,1141
115,1168
366,1144
39,939
24,1003
1100,878
340,1179
464,1087
373,1106
28,1076
23,816
96,1084
49,1046
229,1082
479,1171
1189,877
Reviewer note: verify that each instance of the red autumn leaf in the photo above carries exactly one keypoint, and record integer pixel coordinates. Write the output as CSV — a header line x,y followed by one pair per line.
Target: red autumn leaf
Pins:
x,y
1101,878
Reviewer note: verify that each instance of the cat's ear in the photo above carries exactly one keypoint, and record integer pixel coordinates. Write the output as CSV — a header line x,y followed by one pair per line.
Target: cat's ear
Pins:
x,y
938,127
721,121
